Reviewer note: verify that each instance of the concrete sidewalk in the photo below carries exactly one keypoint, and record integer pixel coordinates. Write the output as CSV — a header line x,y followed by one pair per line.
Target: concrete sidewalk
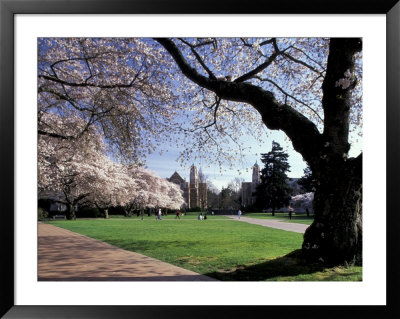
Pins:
x,y
298,228
67,256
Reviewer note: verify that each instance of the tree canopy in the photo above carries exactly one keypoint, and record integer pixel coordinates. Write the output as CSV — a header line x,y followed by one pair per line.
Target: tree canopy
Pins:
x,y
125,88
78,172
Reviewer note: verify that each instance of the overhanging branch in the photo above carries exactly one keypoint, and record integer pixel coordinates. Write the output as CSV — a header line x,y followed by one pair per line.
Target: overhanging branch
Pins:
x,y
302,132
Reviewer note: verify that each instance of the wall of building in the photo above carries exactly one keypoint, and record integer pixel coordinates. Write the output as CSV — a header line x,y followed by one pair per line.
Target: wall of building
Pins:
x,y
194,193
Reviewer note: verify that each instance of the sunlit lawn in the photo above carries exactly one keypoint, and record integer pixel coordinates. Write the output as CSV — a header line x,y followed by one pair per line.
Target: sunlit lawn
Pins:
x,y
284,217
221,248
172,216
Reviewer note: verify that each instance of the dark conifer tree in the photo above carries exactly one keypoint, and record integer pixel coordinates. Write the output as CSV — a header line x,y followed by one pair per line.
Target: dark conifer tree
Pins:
x,y
306,181
274,191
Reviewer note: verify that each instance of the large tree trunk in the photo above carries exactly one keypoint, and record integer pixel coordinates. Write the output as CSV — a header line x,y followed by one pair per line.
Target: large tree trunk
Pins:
x,y
335,236
71,212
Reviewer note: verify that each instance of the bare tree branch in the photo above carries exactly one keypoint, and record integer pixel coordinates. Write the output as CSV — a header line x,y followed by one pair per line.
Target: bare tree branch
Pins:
x,y
258,69
302,132
289,95
84,84
288,56
199,59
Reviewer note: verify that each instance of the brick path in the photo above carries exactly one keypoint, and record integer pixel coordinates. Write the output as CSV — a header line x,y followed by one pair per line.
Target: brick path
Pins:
x,y
298,228
67,256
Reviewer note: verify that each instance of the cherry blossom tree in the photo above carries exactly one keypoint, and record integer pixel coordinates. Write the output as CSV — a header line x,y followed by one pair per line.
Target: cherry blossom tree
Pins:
x,y
77,171
154,191
112,84
308,88
302,201
68,169
112,187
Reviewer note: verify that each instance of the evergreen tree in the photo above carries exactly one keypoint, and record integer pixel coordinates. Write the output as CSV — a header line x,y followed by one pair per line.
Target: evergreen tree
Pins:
x,y
274,191
306,182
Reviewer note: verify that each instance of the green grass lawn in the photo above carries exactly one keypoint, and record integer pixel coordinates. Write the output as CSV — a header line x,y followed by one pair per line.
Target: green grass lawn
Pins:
x,y
296,218
221,248
187,216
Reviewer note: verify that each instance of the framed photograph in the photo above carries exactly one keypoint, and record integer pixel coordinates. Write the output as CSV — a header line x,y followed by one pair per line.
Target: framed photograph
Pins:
x,y
24,23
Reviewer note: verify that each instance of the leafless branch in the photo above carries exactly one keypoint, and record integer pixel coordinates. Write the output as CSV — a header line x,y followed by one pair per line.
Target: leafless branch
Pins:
x,y
289,95
199,59
258,69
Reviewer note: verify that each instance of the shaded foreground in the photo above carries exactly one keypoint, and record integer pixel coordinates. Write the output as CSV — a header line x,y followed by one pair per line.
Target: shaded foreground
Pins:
x,y
291,267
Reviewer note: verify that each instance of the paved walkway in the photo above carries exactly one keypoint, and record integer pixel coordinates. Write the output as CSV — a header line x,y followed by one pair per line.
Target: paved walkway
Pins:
x,y
67,256
295,227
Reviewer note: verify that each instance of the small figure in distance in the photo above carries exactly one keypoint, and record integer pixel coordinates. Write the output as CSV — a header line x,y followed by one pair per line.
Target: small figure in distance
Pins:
x,y
290,212
239,213
178,214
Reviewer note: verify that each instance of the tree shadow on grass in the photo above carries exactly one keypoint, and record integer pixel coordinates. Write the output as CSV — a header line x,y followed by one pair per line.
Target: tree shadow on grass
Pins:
x,y
292,264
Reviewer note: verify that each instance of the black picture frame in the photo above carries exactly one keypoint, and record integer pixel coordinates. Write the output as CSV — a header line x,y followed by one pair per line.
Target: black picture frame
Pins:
x,y
8,10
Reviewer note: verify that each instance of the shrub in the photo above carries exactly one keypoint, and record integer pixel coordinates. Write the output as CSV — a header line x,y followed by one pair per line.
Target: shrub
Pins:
x,y
116,210
89,212
194,209
42,214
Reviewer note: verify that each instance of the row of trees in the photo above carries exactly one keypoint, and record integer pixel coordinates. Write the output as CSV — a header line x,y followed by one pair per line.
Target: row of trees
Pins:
x,y
78,172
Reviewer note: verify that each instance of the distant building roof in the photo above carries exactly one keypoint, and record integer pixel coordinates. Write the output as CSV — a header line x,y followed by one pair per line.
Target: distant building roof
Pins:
x,y
175,177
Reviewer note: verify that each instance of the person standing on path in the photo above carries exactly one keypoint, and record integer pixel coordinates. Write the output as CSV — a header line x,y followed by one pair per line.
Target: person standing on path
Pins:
x,y
239,213
159,214
290,212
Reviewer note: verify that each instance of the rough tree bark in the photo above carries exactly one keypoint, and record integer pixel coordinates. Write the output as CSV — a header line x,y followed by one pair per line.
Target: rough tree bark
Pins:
x,y
335,236
336,233
70,212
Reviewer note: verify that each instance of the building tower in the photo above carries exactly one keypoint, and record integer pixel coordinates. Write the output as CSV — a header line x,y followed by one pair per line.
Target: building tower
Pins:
x,y
194,192
255,179
194,187
194,182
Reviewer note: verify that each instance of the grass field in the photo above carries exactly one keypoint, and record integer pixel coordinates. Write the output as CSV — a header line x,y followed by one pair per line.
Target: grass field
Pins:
x,y
218,247
187,216
296,218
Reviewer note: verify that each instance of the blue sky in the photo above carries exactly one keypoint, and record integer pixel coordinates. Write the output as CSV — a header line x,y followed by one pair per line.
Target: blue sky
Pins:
x,y
166,164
